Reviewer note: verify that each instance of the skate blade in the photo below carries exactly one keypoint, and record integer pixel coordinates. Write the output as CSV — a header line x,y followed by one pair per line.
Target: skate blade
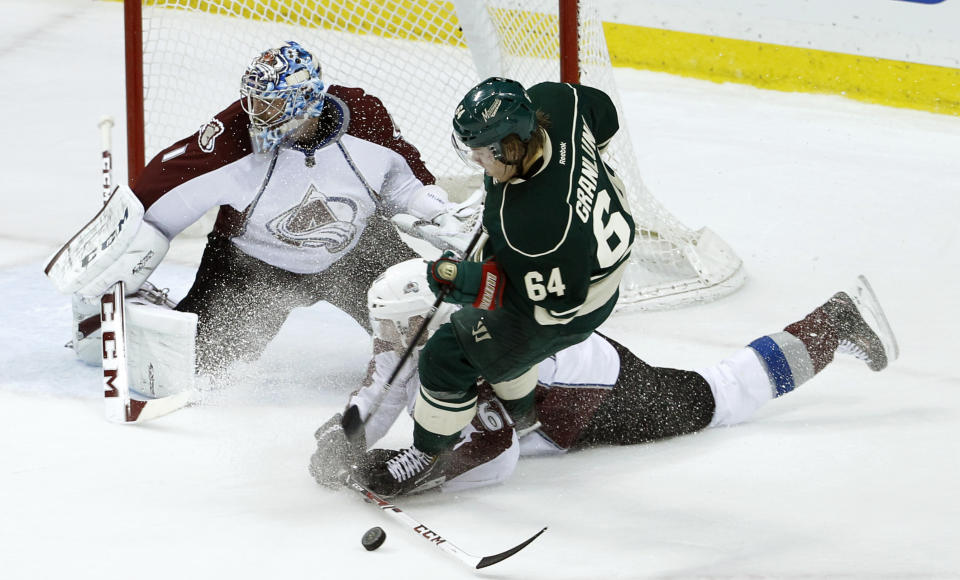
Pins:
x,y
869,306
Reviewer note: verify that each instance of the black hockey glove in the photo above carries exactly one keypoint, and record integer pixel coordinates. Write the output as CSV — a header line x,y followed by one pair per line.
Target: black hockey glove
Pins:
x,y
335,456
479,284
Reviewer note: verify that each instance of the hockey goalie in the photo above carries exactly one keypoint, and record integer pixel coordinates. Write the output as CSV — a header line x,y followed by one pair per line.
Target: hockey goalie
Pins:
x,y
107,260
306,178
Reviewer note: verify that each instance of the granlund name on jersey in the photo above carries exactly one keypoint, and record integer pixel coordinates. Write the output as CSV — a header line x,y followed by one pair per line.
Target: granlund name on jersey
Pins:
x,y
563,236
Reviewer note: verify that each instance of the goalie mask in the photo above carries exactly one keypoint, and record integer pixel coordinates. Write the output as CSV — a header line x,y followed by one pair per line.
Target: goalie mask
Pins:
x,y
400,299
491,111
280,89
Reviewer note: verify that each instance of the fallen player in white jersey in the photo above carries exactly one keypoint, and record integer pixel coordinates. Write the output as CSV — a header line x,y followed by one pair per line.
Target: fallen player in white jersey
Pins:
x,y
593,393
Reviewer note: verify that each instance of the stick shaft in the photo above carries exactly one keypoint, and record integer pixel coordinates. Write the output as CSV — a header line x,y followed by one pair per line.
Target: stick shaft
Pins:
x,y
106,127
412,343
352,425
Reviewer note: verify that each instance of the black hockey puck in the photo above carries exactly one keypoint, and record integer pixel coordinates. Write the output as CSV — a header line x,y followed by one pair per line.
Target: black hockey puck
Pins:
x,y
373,538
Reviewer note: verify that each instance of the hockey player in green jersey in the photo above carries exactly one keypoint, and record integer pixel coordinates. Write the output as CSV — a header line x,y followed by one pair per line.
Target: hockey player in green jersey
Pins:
x,y
558,235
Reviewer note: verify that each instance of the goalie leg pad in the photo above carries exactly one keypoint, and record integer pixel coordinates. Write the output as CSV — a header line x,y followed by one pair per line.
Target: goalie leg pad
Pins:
x,y
87,333
161,349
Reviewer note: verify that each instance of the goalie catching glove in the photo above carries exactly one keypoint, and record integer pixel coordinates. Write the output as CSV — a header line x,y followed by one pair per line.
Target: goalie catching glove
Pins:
x,y
335,455
451,228
479,284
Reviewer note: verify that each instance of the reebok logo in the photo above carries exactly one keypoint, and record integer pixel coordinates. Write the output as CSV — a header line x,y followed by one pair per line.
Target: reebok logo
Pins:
x,y
480,332
563,153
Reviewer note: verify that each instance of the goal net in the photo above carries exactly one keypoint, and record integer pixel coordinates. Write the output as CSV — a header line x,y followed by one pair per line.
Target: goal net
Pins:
x,y
419,57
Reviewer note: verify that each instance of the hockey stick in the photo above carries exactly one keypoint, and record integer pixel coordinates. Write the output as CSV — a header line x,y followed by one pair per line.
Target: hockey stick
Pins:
x,y
119,406
351,422
433,537
106,125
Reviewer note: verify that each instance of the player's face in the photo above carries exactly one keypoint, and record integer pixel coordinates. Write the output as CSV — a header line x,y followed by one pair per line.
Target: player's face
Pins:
x,y
483,156
264,112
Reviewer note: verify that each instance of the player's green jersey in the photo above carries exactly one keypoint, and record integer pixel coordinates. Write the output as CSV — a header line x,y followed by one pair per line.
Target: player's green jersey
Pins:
x,y
563,234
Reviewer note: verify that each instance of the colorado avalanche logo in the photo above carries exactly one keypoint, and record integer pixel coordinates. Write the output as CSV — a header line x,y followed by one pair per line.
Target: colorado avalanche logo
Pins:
x,y
318,221
208,135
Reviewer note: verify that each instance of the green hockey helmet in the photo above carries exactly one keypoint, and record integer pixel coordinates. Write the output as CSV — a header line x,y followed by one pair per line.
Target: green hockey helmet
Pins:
x,y
492,111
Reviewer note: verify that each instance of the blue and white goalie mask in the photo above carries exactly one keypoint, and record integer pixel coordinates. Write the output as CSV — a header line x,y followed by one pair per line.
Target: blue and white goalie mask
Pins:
x,y
280,90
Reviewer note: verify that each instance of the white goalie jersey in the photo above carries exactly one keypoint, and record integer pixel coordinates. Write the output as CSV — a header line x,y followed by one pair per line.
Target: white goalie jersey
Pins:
x,y
300,208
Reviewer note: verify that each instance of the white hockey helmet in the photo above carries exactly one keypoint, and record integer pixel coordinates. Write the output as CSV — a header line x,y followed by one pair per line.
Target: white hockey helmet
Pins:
x,y
399,300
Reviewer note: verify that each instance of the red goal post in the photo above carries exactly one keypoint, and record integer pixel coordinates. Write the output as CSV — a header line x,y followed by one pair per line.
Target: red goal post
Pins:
x,y
133,58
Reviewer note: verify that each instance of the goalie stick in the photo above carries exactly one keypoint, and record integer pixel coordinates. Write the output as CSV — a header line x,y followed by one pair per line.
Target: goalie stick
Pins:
x,y
352,423
119,406
106,124
433,537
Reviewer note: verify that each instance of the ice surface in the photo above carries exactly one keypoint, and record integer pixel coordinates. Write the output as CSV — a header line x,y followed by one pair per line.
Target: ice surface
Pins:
x,y
854,475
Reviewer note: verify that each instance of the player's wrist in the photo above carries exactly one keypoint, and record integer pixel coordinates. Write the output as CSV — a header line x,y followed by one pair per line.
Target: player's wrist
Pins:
x,y
479,284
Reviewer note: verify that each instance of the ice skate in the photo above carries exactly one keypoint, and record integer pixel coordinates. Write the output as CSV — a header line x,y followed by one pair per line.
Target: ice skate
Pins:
x,y
388,473
528,423
862,327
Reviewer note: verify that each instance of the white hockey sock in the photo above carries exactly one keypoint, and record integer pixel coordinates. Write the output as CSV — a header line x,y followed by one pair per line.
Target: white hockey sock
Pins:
x,y
772,366
786,359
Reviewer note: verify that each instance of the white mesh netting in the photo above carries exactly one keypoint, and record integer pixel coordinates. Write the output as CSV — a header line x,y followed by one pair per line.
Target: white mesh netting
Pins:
x,y
419,58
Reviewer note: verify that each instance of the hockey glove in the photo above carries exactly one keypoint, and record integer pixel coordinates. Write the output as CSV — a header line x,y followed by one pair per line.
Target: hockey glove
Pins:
x,y
335,456
479,284
451,229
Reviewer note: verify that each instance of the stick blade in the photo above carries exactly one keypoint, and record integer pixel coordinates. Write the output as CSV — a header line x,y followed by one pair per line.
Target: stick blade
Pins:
x,y
352,424
143,411
869,306
491,560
